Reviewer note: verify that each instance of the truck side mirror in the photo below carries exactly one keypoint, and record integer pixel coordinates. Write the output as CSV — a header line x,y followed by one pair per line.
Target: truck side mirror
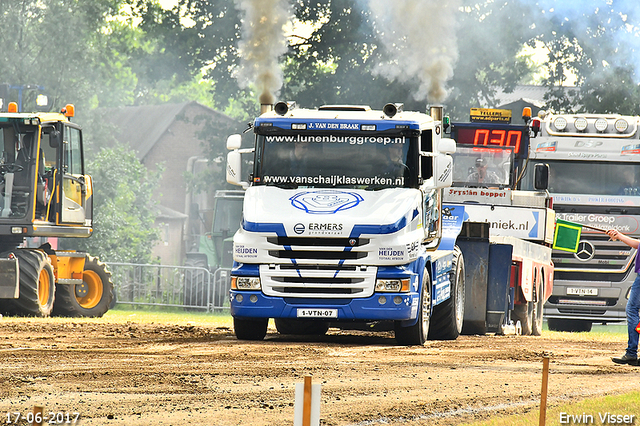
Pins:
x,y
234,169
541,177
234,142
443,170
447,146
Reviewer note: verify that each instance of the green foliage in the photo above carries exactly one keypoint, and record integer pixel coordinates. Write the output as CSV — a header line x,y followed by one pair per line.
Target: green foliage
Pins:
x,y
597,44
124,208
67,47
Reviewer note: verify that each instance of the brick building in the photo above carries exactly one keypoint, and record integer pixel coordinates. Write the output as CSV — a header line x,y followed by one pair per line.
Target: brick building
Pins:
x,y
179,137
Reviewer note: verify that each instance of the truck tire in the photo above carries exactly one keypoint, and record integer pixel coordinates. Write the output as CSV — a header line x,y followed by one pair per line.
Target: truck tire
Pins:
x,y
250,329
417,334
301,327
447,318
571,325
195,291
37,285
90,299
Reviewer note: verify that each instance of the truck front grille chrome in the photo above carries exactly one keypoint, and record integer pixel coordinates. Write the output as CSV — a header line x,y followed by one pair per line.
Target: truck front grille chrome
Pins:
x,y
283,280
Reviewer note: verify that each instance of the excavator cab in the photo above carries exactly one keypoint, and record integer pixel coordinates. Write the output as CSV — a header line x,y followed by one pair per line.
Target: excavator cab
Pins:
x,y
43,187
44,192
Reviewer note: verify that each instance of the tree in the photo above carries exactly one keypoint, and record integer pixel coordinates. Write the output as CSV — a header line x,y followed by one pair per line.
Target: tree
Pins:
x,y
65,46
598,44
124,208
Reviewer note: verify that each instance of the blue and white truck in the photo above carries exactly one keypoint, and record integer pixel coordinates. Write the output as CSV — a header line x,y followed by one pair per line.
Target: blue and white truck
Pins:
x,y
342,224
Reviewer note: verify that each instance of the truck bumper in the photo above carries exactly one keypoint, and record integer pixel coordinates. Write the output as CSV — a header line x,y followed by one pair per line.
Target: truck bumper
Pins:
x,y
607,305
379,307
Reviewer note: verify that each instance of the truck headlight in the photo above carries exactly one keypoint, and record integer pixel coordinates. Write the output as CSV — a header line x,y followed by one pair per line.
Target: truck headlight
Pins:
x,y
245,283
393,286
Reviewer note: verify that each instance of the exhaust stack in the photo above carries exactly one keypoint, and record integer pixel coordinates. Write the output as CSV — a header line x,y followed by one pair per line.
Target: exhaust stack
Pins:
x,y
265,108
436,112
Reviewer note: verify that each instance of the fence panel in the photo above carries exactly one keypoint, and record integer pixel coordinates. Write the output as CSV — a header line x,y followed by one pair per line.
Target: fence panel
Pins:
x,y
191,288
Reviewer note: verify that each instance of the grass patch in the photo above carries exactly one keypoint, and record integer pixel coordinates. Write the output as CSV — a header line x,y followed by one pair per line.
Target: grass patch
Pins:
x,y
617,405
170,316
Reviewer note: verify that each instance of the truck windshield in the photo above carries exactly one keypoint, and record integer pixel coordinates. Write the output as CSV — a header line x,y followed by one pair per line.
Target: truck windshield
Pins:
x,y
18,144
482,167
349,161
590,178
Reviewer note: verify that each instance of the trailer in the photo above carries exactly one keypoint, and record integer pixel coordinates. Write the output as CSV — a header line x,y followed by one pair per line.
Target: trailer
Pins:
x,y
505,233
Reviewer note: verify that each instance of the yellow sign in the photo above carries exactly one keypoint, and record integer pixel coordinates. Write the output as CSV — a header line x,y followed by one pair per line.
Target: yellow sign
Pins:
x,y
489,115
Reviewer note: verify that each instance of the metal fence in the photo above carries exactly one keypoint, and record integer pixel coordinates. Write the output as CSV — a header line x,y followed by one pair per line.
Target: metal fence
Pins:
x,y
191,288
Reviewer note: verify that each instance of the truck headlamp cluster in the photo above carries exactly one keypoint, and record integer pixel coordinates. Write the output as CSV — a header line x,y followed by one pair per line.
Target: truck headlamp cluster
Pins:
x,y
245,283
621,125
393,286
601,124
560,123
581,124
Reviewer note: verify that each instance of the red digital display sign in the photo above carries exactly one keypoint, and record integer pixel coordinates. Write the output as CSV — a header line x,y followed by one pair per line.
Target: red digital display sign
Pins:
x,y
492,136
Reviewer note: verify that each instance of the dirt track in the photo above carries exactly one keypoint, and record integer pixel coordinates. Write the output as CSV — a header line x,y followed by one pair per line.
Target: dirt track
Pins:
x,y
162,374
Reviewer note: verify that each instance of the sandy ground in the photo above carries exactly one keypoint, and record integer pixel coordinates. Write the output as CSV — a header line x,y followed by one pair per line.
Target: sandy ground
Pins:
x,y
167,374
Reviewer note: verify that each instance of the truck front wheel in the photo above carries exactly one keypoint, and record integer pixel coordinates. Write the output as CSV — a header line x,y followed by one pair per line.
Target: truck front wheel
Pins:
x,y
250,329
417,334
448,316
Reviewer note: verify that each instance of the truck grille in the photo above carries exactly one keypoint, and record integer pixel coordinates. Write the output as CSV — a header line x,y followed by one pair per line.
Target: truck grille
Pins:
x,y
318,266
322,250
322,280
597,259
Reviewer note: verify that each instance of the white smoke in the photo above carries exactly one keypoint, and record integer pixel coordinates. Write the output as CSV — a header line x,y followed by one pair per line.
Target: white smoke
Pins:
x,y
421,37
263,42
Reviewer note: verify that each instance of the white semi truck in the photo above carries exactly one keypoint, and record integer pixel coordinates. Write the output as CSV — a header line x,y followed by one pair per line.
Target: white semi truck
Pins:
x,y
342,224
594,180
507,232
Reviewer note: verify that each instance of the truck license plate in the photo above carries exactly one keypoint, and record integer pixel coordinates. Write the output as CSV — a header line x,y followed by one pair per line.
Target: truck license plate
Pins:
x,y
317,313
582,291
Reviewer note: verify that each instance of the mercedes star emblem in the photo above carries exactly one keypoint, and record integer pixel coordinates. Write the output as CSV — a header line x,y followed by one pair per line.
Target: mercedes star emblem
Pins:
x,y
585,252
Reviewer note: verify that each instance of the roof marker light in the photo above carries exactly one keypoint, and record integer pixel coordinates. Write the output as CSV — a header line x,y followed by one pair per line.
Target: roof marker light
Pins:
x,y
581,124
12,107
560,123
601,124
621,125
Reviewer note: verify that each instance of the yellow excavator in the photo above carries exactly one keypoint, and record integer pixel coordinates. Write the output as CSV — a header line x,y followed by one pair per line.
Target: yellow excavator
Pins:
x,y
45,194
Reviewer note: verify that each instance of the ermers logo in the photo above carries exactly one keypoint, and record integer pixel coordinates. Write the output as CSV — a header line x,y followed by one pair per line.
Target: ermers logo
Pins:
x,y
298,228
325,201
325,227
319,228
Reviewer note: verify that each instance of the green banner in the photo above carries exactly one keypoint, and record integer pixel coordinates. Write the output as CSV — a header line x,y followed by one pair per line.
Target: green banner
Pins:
x,y
567,236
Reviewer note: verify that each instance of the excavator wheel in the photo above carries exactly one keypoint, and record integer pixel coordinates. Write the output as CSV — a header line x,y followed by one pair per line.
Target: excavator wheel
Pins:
x,y
37,285
89,299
